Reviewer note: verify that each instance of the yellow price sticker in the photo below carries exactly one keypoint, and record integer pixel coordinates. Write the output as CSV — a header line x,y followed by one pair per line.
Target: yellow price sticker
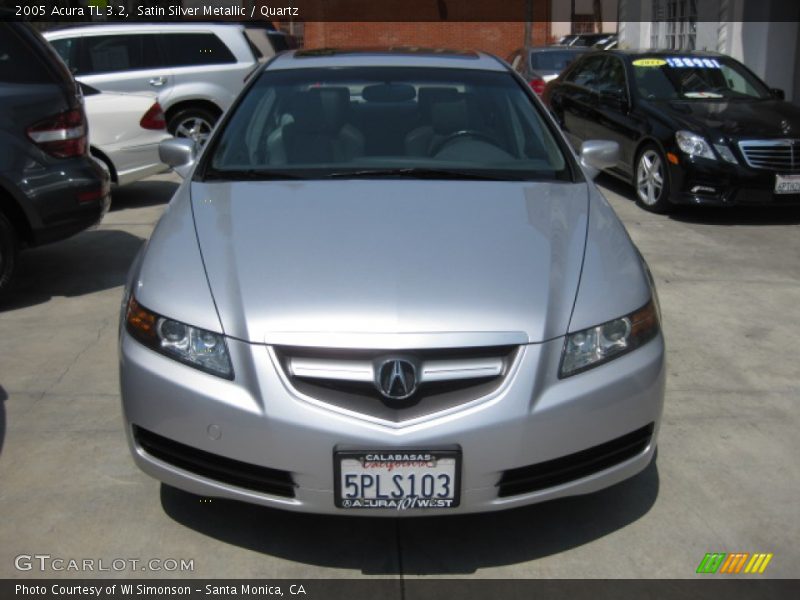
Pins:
x,y
649,62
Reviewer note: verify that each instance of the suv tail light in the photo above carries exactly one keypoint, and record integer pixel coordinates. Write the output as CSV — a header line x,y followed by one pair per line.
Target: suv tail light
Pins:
x,y
537,85
63,135
154,118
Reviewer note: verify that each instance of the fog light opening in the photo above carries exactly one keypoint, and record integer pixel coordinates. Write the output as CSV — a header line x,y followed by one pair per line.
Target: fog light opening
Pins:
x,y
703,189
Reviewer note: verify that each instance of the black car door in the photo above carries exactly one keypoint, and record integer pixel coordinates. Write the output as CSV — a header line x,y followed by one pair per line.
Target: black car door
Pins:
x,y
615,118
573,101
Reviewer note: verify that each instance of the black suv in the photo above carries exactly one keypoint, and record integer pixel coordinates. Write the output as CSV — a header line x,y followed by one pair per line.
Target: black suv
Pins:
x,y
50,188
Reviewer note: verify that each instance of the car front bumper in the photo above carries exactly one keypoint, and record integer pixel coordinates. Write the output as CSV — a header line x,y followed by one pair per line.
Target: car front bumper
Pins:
x,y
259,423
706,182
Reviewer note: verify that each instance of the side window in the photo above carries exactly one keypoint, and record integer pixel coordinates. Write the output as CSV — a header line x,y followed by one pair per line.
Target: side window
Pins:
x,y
194,49
612,77
112,53
68,51
17,63
587,72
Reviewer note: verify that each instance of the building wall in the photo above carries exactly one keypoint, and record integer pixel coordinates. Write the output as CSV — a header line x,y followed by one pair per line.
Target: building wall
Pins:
x,y
497,38
768,49
560,14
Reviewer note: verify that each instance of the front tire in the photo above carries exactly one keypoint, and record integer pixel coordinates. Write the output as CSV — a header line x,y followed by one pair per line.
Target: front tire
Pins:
x,y
194,123
651,180
9,250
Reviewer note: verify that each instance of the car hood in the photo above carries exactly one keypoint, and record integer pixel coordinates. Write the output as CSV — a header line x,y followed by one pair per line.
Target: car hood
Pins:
x,y
440,262
769,118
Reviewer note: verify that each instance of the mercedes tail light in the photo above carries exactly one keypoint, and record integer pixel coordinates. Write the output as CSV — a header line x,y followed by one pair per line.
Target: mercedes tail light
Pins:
x,y
154,118
63,135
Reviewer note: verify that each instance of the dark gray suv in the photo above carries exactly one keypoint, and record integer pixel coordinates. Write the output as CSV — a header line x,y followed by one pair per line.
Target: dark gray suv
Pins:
x,y
50,188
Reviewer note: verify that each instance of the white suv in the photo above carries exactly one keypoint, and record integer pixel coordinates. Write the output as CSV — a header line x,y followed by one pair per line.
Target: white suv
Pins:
x,y
196,69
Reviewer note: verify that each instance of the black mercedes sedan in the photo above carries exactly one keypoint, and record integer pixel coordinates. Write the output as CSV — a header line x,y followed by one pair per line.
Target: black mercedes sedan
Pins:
x,y
693,127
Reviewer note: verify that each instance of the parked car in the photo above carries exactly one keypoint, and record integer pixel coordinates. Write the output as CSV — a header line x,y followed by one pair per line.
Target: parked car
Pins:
x,y
337,316
544,64
50,188
267,40
608,43
588,40
124,133
197,69
693,127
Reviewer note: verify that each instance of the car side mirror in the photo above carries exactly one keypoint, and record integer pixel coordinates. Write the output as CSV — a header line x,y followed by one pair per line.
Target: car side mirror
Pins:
x,y
778,93
597,155
178,153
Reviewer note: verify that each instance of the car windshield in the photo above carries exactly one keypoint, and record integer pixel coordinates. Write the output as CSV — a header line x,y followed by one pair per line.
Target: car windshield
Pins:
x,y
695,78
386,122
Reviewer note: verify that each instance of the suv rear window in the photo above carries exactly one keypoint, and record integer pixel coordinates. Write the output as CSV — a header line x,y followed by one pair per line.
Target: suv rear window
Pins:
x,y
194,49
20,63
552,60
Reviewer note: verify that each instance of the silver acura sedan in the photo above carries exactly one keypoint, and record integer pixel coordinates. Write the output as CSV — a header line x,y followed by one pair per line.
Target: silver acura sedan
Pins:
x,y
387,287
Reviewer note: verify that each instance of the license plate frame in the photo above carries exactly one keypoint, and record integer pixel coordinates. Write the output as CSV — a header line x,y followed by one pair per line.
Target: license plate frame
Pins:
x,y
787,184
447,461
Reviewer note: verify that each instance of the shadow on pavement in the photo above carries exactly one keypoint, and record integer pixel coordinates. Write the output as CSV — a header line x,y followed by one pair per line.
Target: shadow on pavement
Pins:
x,y
89,262
427,546
3,398
615,185
713,215
142,194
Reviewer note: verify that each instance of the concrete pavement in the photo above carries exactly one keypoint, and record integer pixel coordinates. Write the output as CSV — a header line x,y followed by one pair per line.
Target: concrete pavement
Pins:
x,y
726,478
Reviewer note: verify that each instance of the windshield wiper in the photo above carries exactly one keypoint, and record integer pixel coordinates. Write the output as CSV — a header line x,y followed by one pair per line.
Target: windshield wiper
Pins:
x,y
404,172
424,173
251,175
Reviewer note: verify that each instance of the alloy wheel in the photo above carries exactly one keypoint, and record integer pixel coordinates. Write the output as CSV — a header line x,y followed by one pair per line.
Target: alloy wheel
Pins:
x,y
650,177
194,128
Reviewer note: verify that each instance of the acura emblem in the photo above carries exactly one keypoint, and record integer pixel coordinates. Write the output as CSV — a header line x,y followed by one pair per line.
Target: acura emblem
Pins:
x,y
397,378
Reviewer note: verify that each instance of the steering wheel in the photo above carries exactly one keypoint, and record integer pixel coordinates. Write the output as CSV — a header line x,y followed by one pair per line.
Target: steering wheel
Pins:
x,y
460,134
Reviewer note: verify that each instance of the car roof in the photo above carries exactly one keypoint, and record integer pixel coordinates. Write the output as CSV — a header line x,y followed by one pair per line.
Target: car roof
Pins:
x,y
386,57
660,52
150,27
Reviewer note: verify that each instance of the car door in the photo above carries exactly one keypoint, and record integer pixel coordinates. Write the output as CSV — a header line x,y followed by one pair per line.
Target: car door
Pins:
x,y
574,101
615,118
122,62
204,67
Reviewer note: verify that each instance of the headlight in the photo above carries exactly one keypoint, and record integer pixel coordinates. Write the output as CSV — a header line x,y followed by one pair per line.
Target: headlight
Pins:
x,y
594,346
195,347
694,144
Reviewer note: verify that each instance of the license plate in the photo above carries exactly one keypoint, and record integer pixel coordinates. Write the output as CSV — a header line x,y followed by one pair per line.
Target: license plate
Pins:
x,y
398,480
787,184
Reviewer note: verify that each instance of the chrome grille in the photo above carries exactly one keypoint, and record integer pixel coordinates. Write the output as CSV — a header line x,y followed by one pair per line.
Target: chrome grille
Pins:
x,y
345,378
774,155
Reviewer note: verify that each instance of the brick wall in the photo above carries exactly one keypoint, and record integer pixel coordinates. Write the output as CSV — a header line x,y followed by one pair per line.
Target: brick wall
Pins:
x,y
500,38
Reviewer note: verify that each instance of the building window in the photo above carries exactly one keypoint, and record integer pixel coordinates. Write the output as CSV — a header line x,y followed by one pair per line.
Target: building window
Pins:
x,y
674,24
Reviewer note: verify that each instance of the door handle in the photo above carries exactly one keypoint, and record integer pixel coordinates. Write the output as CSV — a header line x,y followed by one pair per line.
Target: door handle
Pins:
x,y
158,81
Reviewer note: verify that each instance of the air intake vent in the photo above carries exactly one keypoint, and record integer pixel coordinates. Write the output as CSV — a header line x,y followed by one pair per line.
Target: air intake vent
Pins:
x,y
537,477
218,468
